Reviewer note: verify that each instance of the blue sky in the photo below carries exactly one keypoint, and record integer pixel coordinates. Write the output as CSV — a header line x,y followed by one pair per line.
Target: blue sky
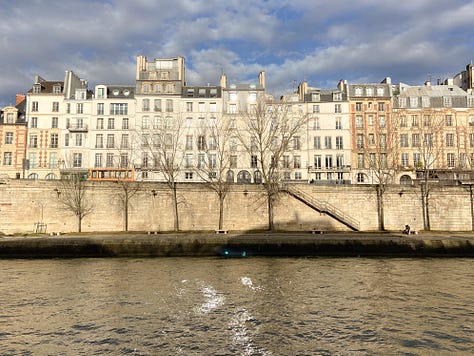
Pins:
x,y
321,41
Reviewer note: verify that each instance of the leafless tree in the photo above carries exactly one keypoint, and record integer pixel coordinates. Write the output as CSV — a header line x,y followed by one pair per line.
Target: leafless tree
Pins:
x,y
267,132
73,193
214,160
381,159
162,143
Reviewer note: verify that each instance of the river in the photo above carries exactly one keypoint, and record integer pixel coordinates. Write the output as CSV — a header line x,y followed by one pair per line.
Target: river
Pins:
x,y
247,306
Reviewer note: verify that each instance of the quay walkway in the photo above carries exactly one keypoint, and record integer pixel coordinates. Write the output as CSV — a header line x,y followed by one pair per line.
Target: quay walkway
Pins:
x,y
239,245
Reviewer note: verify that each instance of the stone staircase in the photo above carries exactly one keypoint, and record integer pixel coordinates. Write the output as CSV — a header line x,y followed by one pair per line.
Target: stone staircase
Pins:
x,y
322,207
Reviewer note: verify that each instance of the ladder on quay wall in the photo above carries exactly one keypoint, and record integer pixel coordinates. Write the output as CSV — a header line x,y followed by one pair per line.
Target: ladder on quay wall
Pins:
x,y
322,207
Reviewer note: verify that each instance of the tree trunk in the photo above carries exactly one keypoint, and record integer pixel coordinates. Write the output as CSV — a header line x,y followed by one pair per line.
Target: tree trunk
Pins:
x,y
380,209
472,208
221,212
271,227
125,212
425,208
79,223
175,208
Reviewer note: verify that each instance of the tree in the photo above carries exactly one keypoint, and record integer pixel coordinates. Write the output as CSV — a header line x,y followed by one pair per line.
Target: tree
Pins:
x,y
214,160
162,143
73,193
381,156
267,132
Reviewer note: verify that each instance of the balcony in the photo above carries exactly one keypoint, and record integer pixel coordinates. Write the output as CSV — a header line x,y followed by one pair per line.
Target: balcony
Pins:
x,y
77,127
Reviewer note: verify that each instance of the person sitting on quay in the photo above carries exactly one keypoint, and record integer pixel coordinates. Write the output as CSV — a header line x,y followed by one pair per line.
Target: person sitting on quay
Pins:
x,y
407,230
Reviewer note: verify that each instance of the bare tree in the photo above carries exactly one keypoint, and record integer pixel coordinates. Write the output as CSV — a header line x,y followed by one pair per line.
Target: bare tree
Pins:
x,y
381,156
73,193
214,160
267,132
162,143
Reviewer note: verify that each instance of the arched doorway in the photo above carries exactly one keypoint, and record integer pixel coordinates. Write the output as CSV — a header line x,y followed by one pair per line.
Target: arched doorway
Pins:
x,y
244,177
257,177
229,178
33,176
405,180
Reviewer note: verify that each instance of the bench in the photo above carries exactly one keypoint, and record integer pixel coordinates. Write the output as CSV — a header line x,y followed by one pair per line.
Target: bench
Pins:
x,y
222,231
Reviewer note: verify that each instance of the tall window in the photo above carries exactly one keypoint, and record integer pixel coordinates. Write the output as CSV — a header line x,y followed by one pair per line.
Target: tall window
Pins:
x,y
125,123
381,106
338,123
9,138
77,160
404,140
54,122
34,122
124,141
79,140
296,143
253,161
98,160
415,140
100,124
404,159
201,142
34,141
360,160
337,108
339,144
360,140
450,159
317,161
99,141
100,109
449,120
146,105
359,122
339,161
110,141
296,162
328,142
109,160
55,106
80,108
7,158
328,161
157,104
111,123
34,106
317,142
449,140
169,105
54,140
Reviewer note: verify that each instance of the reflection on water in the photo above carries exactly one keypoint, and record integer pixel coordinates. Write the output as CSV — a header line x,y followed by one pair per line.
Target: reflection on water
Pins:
x,y
255,306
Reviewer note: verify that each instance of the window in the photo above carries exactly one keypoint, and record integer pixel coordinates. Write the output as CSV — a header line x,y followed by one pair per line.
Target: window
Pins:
x,y
471,140
98,160
382,122
66,140
100,93
201,163
77,160
328,161
37,89
360,178
145,122
212,143
315,109
415,140
99,141
371,120
449,140
233,161
447,101
80,108
296,162
34,122
54,122
383,140
414,120
100,109
339,144
33,141
337,108
79,140
253,161
68,108
232,109
119,109
188,175
317,162
55,106
298,175
403,121
201,143
212,107
450,159
111,123
428,140
189,106
286,161
316,124
416,159
124,141
158,89
54,140
338,123
212,160
169,88
125,123
10,118
188,160
189,142
426,120
404,140
33,158
360,160
169,105
100,124
9,138
360,141
296,143
371,139
358,106
380,91
339,161
358,91
404,159
124,160
146,105
34,106
328,142
157,105
109,160
449,120
110,141
202,107
381,106
359,122
7,158
53,161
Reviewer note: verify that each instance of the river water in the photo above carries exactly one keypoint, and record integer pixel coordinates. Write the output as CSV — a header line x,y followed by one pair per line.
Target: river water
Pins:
x,y
248,306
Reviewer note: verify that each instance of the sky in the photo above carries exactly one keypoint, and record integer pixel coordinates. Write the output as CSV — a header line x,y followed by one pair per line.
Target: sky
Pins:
x,y
321,41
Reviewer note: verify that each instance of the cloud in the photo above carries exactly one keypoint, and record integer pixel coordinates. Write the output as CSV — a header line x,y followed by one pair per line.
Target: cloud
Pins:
x,y
320,41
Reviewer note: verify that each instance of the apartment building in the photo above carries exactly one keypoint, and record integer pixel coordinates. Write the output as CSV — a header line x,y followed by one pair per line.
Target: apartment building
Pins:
x,y
327,149
13,139
435,130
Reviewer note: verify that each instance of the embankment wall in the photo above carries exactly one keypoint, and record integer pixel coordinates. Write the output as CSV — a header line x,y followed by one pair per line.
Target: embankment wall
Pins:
x,y
25,203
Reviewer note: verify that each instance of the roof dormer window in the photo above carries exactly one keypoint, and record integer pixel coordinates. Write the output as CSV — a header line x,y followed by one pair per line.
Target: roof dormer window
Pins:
x,y
36,88
57,89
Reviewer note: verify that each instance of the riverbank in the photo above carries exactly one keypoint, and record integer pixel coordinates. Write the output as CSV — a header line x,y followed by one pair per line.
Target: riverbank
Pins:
x,y
238,245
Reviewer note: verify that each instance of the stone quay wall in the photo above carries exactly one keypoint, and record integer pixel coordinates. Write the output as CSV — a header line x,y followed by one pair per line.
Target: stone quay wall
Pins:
x,y
24,204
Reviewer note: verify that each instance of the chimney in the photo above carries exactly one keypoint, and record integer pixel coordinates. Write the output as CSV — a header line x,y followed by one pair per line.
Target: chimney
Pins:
x,y
261,79
223,82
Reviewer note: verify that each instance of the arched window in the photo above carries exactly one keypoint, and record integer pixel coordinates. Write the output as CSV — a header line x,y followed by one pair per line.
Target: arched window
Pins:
x,y
51,176
230,177
405,180
33,176
244,177
257,177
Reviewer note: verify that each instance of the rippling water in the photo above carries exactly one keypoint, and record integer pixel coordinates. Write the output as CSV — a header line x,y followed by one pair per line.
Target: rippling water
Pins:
x,y
254,306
